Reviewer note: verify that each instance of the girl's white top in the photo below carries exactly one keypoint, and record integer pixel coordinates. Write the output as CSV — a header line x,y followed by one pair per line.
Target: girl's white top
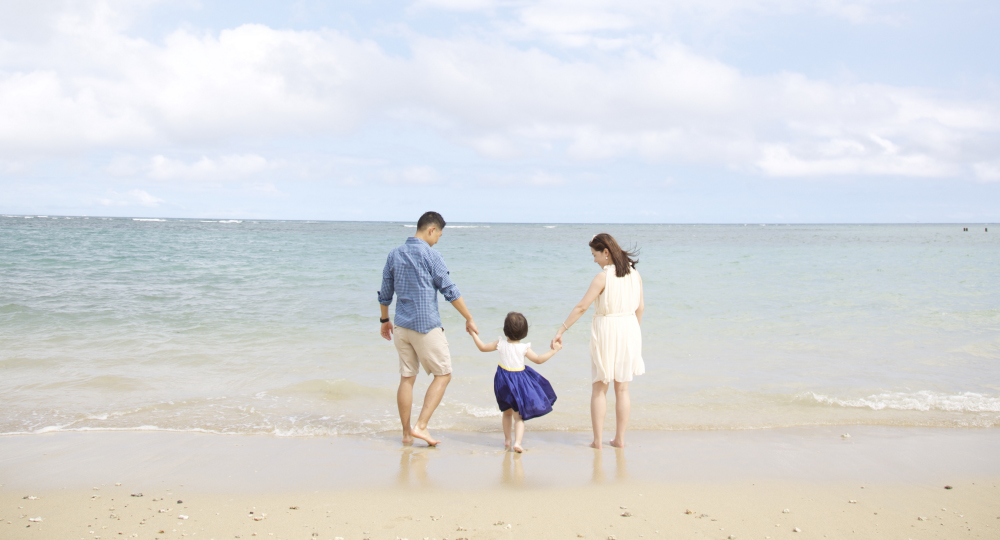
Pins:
x,y
615,339
512,354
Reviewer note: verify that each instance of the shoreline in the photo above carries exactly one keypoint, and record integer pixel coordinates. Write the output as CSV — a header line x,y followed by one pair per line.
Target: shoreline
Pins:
x,y
664,485
67,460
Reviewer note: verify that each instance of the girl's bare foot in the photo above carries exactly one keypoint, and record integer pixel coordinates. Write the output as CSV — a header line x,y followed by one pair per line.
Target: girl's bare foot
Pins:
x,y
518,449
424,435
596,445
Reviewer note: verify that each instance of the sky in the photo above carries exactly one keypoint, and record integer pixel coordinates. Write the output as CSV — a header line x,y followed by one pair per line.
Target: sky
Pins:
x,y
644,111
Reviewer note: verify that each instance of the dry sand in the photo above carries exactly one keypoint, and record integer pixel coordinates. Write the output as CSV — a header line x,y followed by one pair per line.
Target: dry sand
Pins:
x,y
667,485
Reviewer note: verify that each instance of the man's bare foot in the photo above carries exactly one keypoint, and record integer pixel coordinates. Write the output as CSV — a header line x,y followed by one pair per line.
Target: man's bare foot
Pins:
x,y
617,444
425,436
407,440
518,449
596,445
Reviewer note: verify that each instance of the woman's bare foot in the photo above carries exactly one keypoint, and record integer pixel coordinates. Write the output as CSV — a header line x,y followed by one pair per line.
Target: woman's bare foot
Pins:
x,y
424,435
617,444
596,445
518,449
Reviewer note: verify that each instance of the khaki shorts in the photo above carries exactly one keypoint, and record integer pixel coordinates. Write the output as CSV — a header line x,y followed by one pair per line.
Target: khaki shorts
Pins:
x,y
415,349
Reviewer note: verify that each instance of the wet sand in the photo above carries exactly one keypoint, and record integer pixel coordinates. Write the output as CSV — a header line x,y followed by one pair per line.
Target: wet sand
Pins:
x,y
667,485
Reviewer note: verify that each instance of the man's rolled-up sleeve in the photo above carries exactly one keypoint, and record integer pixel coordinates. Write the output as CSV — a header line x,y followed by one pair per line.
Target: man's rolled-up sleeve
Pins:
x,y
388,288
442,280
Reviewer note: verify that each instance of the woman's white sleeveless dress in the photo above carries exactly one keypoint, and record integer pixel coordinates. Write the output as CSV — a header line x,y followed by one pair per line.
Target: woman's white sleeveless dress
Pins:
x,y
615,338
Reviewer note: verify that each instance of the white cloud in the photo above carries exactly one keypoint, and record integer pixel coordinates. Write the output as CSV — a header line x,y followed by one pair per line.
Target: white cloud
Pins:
x,y
580,17
92,87
415,176
987,171
134,197
219,169
224,168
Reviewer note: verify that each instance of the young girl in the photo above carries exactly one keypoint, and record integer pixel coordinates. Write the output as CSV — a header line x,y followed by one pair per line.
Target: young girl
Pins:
x,y
521,392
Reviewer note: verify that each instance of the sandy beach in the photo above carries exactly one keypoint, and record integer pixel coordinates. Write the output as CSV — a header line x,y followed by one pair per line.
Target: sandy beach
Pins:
x,y
793,483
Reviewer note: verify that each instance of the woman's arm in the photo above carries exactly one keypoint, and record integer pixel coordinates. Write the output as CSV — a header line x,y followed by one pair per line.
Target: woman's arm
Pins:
x,y
485,347
595,290
642,304
542,358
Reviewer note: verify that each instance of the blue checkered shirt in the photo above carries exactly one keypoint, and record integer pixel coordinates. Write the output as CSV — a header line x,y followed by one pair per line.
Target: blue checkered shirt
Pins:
x,y
415,273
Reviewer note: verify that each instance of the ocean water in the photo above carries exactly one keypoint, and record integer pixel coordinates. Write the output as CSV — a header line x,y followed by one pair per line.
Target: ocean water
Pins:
x,y
267,327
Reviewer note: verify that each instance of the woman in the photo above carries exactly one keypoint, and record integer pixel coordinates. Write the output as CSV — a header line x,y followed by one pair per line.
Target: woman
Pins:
x,y
615,338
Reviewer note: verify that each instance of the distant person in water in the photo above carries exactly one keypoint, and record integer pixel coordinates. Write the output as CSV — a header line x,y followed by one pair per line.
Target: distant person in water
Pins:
x,y
415,273
615,338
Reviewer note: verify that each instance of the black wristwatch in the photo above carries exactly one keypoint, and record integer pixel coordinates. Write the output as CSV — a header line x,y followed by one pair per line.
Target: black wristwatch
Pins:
x,y
383,321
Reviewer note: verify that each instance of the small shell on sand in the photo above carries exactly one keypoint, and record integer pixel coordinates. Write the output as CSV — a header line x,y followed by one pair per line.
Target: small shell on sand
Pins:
x,y
947,487
689,511
852,501
921,518
293,507
626,514
845,436
118,483
35,519
786,511
796,529
29,497
182,516
137,494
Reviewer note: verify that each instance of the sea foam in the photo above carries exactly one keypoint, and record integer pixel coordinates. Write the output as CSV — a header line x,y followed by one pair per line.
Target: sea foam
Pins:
x,y
916,401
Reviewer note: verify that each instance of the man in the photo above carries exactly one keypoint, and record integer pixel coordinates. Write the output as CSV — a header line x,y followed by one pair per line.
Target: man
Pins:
x,y
416,274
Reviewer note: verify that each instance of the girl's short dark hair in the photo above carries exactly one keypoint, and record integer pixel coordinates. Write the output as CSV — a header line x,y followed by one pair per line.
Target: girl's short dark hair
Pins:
x,y
515,326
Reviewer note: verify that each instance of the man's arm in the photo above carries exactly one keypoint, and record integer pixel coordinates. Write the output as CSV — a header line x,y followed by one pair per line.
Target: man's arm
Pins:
x,y
443,283
385,298
385,328
470,325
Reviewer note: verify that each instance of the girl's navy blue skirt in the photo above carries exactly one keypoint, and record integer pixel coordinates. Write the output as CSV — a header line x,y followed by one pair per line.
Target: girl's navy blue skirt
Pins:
x,y
525,391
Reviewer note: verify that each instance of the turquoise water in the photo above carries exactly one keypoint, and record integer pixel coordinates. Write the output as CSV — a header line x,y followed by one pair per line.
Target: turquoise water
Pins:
x,y
270,327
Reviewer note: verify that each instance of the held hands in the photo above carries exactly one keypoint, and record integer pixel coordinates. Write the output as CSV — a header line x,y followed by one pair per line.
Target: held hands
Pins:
x,y
556,345
470,327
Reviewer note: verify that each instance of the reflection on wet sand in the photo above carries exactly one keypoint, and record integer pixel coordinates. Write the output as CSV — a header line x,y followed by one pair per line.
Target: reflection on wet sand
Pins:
x,y
621,467
413,467
508,476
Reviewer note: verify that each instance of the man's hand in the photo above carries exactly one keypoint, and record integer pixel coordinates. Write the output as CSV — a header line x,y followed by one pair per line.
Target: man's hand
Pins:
x,y
386,330
470,327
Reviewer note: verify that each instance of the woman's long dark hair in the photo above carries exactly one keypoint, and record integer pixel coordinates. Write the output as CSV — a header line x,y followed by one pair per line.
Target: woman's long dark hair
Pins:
x,y
624,261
